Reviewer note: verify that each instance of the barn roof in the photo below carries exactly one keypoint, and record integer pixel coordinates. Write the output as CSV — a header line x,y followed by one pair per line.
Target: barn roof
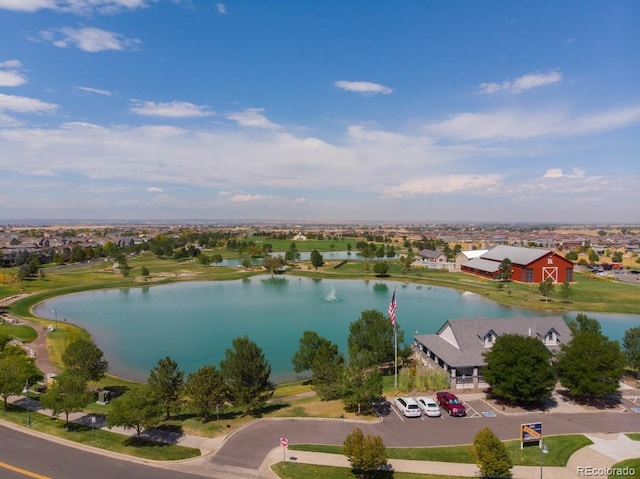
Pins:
x,y
517,254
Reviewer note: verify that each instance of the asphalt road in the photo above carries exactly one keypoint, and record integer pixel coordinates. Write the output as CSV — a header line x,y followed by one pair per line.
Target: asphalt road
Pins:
x,y
50,459
248,447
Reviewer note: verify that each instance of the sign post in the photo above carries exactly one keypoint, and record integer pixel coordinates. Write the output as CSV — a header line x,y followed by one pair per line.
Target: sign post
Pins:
x,y
284,442
531,432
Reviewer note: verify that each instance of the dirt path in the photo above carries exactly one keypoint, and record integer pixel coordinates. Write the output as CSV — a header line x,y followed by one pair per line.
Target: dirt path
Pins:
x,y
39,345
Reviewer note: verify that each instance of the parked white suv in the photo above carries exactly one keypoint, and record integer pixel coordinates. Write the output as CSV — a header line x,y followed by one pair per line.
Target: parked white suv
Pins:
x,y
408,406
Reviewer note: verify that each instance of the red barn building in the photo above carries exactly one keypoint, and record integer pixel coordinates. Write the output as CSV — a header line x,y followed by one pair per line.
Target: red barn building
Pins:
x,y
528,265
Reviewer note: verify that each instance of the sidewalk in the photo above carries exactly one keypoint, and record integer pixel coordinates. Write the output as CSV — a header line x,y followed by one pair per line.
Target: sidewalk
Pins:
x,y
591,461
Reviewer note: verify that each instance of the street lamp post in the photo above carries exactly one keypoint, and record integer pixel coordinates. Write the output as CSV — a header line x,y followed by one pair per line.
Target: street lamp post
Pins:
x,y
543,450
25,391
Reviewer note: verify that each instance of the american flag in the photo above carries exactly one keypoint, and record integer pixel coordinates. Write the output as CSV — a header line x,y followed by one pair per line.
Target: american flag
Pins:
x,y
392,309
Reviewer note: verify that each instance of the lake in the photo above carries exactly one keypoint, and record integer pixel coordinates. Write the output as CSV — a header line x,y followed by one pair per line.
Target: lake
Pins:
x,y
194,322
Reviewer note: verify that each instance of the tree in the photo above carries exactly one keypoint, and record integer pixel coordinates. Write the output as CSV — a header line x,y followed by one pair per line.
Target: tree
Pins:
x,y
491,454
166,381
246,373
506,270
546,288
371,339
572,256
15,369
381,268
326,371
361,387
144,271
138,408
316,259
67,395
518,369
565,290
309,343
590,366
366,454
205,390
86,359
273,263
631,345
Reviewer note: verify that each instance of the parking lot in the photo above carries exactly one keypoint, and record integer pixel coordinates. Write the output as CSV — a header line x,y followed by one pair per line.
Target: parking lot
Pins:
x,y
476,408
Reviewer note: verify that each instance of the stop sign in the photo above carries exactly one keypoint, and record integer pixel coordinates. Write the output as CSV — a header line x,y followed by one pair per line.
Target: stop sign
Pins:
x,y
284,442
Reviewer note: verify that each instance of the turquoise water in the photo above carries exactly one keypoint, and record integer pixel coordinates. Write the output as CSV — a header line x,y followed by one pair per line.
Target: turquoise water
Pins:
x,y
194,322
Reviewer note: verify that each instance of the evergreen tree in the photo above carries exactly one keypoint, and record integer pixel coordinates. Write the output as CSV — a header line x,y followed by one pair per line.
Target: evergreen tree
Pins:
x,y
246,373
371,339
631,344
166,381
205,390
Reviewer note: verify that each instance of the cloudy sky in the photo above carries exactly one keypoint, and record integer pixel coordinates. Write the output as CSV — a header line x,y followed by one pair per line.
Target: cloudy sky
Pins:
x,y
330,110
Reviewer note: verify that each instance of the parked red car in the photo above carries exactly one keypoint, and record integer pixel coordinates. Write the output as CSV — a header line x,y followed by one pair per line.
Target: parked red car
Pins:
x,y
450,403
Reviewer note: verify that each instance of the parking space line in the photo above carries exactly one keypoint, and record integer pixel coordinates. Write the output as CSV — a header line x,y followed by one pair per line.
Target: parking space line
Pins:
x,y
397,413
469,408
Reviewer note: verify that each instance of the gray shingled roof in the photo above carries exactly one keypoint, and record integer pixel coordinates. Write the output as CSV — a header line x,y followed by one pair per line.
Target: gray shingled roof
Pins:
x,y
470,333
516,254
483,265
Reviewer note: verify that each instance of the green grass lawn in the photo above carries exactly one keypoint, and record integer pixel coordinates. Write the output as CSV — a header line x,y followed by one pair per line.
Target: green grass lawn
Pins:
x,y
99,438
560,449
629,469
292,470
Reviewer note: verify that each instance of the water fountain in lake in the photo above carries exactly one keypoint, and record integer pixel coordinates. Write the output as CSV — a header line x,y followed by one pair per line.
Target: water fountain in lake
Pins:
x,y
332,295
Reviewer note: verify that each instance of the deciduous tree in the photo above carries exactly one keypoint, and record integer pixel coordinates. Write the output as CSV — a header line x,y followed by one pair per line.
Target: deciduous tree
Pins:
x,y
86,359
518,369
138,408
68,394
492,456
361,387
367,454
590,366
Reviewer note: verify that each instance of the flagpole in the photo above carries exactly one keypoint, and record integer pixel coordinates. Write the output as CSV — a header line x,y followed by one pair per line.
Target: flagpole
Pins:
x,y
395,340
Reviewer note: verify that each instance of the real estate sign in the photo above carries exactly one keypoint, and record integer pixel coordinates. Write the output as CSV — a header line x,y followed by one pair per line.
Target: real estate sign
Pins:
x,y
531,432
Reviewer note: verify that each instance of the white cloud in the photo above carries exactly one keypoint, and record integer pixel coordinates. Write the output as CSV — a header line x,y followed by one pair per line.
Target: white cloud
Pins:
x,y
518,125
89,39
222,8
80,7
558,173
523,83
10,74
362,87
23,104
252,117
155,189
174,109
243,198
97,91
300,200
445,184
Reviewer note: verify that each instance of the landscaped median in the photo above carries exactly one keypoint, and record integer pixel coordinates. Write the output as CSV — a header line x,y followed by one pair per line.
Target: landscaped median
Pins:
x,y
560,450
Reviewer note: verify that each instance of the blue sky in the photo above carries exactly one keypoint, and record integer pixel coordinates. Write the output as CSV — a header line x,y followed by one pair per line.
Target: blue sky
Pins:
x,y
320,111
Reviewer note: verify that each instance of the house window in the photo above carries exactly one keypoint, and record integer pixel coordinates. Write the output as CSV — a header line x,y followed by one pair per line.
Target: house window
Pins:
x,y
550,339
489,339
